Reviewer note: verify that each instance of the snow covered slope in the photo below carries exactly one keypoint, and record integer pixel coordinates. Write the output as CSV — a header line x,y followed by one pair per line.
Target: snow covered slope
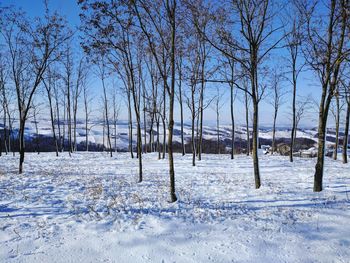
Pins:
x,y
210,133
90,208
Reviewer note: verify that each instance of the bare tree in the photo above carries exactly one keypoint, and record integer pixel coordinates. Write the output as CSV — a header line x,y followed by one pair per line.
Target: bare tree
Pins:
x,y
256,29
302,110
35,108
87,112
150,17
112,35
3,100
229,68
293,43
68,79
345,88
179,64
80,81
32,47
325,53
218,104
49,82
276,101
192,69
106,104
336,109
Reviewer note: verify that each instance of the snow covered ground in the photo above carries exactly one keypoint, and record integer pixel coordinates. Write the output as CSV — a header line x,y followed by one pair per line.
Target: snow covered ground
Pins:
x,y
90,208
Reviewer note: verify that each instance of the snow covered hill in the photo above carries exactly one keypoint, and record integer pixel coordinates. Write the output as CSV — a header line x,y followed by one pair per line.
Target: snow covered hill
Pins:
x,y
96,133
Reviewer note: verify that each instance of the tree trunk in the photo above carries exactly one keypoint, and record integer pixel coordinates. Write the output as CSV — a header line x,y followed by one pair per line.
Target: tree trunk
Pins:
x,y
130,125
158,142
274,131
173,197
5,132
255,146
232,123
144,119
181,117
163,119
218,127
335,153
21,145
247,122
193,113
318,177
346,134
69,117
200,143
322,126
58,124
53,124
293,132
107,117
86,133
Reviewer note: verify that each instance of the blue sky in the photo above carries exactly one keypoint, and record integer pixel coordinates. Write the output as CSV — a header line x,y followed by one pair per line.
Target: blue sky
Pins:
x,y
308,84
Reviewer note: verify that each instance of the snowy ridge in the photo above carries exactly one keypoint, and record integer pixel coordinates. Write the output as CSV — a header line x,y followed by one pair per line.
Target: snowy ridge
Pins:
x,y
209,132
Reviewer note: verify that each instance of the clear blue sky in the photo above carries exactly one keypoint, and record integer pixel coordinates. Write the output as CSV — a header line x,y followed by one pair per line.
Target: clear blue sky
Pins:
x,y
307,82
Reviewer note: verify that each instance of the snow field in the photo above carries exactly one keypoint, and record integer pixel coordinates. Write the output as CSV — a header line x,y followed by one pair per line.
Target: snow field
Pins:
x,y
90,208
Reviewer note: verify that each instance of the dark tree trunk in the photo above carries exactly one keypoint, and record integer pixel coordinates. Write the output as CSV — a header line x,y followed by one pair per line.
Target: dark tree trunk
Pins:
x,y
173,197
21,145
346,134
193,117
232,123
335,153
247,122
255,147
53,123
130,125
181,118
164,126
274,131
158,142
218,127
293,132
322,126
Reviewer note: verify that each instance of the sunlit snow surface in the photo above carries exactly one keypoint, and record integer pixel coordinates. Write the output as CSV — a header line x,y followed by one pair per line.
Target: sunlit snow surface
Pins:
x,y
90,208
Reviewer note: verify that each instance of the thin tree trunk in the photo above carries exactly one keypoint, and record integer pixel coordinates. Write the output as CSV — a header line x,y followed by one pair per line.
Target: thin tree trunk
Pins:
x,y
158,142
255,146
346,134
5,132
193,113
69,117
86,133
52,122
335,153
58,123
274,131
106,116
21,145
293,132
144,119
130,125
247,122
218,126
164,126
200,143
232,122
64,124
181,113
